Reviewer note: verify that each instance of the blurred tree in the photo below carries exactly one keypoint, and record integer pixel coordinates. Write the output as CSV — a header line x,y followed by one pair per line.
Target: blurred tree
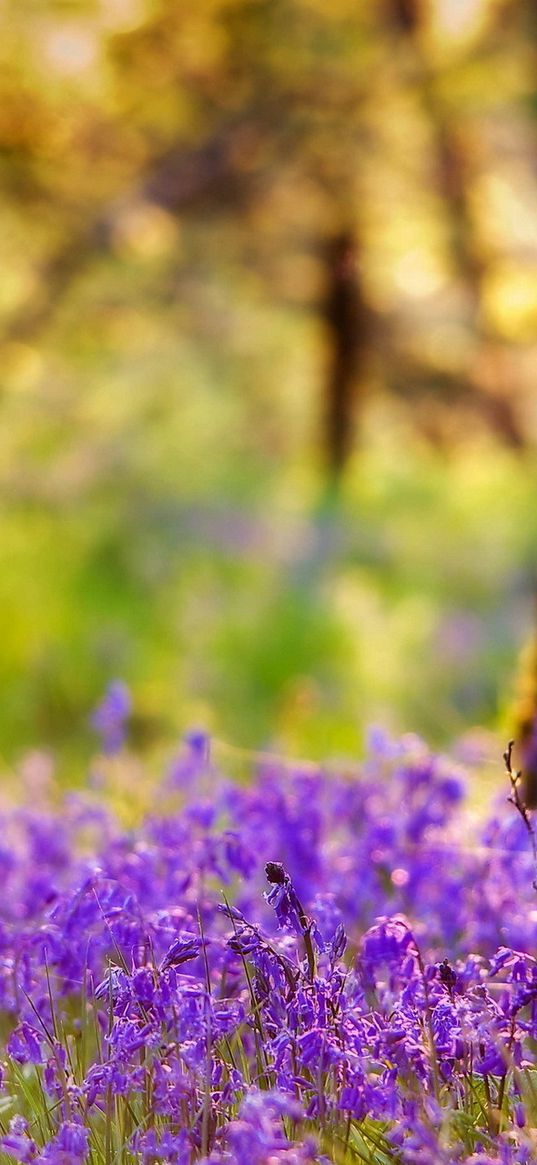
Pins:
x,y
268,118
236,237
486,385
350,321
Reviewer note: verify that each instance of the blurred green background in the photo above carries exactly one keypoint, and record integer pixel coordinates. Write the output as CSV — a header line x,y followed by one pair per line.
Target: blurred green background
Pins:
x,y
269,344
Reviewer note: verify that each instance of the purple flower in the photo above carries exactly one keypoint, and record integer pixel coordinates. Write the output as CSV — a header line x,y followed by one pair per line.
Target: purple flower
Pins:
x,y
235,1049
259,1133
289,911
110,717
246,941
114,982
24,1044
185,947
390,943
152,1146
17,1141
68,1147
283,899
192,761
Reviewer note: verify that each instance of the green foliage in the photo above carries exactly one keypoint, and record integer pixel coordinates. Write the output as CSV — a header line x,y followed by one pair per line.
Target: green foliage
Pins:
x,y
173,177
271,620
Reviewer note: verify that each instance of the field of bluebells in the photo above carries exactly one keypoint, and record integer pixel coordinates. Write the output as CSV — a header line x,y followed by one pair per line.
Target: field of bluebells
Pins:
x,y
315,966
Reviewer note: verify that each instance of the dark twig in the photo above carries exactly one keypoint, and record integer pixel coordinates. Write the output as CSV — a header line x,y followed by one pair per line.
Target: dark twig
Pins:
x,y
515,778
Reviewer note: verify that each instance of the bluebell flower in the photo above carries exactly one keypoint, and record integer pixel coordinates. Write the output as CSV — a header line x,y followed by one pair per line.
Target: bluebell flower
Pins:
x,y
69,1146
283,898
110,717
236,1023
182,950
25,1044
17,1142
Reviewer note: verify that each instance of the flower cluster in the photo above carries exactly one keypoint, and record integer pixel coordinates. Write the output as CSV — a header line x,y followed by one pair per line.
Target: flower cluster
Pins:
x,y
312,967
